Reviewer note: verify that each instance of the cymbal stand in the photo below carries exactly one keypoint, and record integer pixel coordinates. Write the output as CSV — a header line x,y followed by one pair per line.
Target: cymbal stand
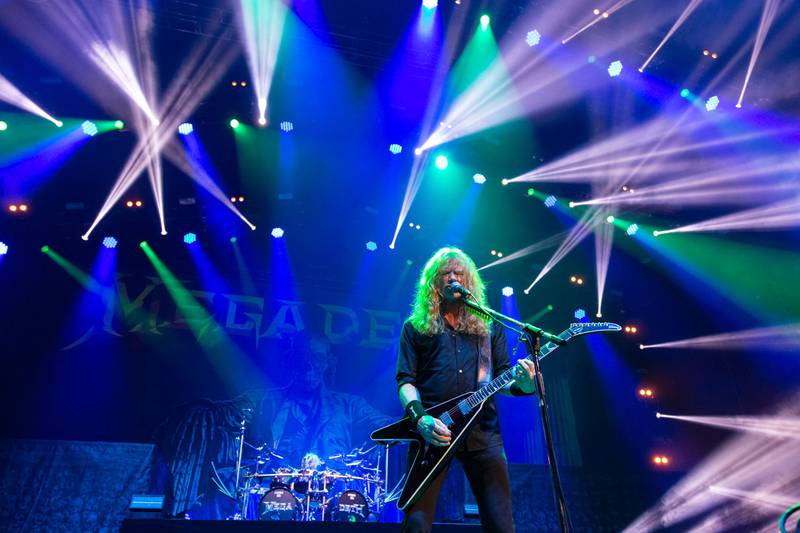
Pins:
x,y
244,499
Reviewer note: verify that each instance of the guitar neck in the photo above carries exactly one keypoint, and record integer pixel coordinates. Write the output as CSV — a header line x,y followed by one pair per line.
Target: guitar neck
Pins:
x,y
494,386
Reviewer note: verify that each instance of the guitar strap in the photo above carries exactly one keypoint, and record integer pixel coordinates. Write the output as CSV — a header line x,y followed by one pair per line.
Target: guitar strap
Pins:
x,y
484,361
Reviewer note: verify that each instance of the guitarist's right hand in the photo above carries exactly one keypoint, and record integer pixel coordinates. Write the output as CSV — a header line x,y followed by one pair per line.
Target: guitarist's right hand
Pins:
x,y
433,431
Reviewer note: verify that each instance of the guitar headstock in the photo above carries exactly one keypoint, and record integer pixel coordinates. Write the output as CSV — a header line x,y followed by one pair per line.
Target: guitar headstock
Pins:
x,y
584,328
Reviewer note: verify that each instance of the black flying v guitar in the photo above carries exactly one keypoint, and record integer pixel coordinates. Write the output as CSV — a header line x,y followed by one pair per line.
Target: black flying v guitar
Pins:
x,y
458,414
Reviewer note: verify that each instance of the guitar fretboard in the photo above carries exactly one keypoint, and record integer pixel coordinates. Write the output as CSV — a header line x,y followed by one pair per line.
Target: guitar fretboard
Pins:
x,y
491,388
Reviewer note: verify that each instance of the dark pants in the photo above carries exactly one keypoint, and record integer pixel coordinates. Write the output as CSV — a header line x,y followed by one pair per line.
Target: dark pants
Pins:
x,y
487,473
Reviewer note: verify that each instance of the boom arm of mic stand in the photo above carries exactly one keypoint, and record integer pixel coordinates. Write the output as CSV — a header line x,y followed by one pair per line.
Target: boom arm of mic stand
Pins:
x,y
505,319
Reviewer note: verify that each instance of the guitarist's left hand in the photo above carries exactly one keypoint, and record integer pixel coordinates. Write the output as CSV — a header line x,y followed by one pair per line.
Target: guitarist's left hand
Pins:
x,y
524,374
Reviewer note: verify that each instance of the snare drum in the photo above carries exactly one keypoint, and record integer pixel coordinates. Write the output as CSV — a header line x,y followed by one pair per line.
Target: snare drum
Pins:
x,y
278,504
349,506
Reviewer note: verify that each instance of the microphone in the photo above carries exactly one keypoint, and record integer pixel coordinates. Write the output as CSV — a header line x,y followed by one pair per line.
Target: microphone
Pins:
x,y
457,288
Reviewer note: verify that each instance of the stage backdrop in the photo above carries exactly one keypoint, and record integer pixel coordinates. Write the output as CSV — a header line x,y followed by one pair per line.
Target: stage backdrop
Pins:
x,y
178,353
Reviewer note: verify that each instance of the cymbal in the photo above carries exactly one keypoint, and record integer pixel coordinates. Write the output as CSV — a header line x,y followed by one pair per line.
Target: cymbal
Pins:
x,y
346,476
279,474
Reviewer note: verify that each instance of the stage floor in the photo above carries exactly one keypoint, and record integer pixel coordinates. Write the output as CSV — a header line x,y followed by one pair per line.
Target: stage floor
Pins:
x,y
133,525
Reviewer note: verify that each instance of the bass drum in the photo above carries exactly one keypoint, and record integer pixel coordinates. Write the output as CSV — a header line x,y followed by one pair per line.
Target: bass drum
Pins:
x,y
349,506
278,504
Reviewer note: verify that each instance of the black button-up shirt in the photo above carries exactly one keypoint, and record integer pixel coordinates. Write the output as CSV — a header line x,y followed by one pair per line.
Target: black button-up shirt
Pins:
x,y
445,365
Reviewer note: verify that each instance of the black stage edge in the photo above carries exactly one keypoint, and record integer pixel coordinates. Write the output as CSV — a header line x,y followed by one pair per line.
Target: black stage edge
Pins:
x,y
133,525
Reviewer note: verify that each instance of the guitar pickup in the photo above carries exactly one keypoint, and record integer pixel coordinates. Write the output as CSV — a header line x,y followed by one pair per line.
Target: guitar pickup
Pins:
x,y
446,419
463,406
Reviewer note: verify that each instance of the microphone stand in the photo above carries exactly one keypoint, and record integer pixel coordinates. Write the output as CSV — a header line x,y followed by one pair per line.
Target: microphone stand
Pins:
x,y
533,334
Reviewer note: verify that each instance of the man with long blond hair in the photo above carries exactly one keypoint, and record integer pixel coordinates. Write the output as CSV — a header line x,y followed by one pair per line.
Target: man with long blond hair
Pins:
x,y
446,351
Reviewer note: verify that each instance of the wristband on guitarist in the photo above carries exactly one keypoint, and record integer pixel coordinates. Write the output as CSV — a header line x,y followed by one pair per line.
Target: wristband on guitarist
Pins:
x,y
415,411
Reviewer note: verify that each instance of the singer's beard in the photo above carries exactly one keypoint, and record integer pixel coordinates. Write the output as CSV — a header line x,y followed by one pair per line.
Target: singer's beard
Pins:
x,y
451,300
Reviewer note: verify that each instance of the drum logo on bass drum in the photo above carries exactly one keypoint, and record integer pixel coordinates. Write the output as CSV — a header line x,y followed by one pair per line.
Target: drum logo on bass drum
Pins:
x,y
278,506
357,508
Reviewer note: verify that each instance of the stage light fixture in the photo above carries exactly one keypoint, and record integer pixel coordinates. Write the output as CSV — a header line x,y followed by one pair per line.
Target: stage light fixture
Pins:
x,y
59,124
480,179
661,460
286,126
504,182
705,52
418,227
234,84
493,252
186,128
3,125
632,229
23,208
550,201
441,162
119,124
3,248
241,199
507,291
262,121
714,55
610,219
138,203
45,249
109,242
129,203
371,246
579,281
685,93
615,68
430,4
573,279
531,191
499,254
485,21
417,151
233,239
243,84
533,38
395,148
89,128
631,329
190,238
580,314
235,123
606,14
712,103
143,244
596,11
410,224
277,233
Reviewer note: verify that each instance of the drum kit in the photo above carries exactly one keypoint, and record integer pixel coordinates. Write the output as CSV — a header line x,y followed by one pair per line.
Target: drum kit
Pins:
x,y
349,487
